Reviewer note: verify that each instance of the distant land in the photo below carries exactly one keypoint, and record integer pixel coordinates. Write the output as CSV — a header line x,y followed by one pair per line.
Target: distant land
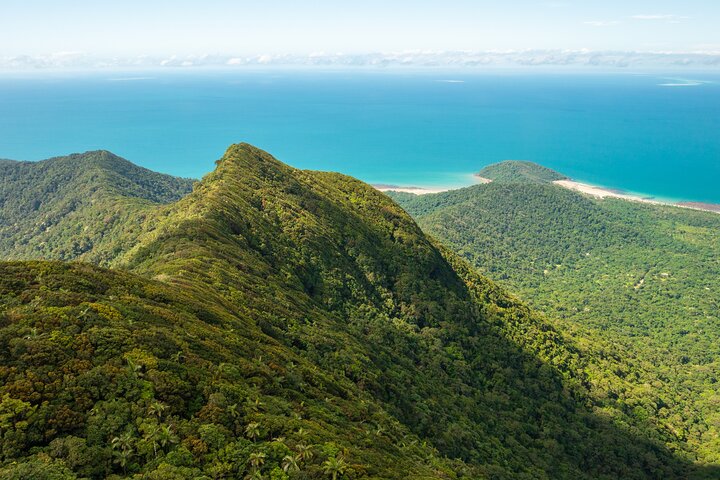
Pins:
x,y
514,171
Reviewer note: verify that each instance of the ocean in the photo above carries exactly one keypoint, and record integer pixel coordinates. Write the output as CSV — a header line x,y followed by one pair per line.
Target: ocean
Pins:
x,y
653,134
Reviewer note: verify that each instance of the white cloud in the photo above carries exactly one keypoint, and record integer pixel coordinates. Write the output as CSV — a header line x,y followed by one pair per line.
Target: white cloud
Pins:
x,y
602,23
707,48
657,16
703,56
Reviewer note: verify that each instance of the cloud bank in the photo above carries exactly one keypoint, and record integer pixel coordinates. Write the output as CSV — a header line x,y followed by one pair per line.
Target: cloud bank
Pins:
x,y
420,59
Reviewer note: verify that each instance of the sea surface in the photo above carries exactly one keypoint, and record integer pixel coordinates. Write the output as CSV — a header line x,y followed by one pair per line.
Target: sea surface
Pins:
x,y
654,134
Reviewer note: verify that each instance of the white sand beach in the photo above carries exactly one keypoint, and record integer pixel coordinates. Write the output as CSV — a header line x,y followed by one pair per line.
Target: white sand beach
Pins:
x,y
384,187
414,190
593,190
601,192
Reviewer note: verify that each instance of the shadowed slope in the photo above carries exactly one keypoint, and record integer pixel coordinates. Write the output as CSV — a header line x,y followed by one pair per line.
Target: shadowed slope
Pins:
x,y
635,279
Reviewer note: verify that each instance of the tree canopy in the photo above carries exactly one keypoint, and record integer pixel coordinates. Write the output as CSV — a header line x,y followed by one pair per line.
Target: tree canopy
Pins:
x,y
280,323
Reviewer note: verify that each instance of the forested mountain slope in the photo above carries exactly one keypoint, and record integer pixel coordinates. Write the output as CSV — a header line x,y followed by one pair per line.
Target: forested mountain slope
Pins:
x,y
61,207
279,318
642,278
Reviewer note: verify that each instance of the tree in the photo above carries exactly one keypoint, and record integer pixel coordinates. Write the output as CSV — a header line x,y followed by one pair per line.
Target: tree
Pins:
x,y
257,459
122,458
335,466
123,442
166,436
123,449
304,452
253,431
254,475
290,464
157,409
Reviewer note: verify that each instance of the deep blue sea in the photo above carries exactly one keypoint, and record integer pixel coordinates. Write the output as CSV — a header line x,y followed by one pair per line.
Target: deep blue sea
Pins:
x,y
654,134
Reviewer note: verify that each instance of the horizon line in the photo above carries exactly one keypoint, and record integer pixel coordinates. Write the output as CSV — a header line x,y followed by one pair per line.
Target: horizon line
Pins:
x,y
618,59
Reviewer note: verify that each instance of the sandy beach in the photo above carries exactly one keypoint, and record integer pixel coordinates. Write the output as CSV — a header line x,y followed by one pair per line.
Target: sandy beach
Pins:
x,y
592,190
386,187
414,190
601,192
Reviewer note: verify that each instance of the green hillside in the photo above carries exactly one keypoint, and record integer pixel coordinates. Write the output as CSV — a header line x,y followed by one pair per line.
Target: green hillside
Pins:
x,y
276,318
518,171
62,207
635,278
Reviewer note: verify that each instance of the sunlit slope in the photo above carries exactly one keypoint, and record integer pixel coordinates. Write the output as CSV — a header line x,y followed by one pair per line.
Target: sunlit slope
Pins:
x,y
65,207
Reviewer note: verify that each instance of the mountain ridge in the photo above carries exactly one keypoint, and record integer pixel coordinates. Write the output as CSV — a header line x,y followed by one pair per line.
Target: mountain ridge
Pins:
x,y
405,357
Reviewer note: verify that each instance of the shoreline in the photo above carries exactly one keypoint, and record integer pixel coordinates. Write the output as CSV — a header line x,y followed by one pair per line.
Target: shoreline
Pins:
x,y
414,190
604,192
580,187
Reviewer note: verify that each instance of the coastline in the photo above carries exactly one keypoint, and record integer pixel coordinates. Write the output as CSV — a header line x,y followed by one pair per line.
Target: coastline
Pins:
x,y
414,190
580,187
603,192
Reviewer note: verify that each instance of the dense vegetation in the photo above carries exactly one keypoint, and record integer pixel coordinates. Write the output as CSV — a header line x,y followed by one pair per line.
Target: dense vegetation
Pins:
x,y
518,171
62,207
638,279
278,323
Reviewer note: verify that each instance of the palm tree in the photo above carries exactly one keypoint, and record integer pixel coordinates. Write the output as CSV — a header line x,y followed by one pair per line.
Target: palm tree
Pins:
x,y
334,466
254,475
304,452
157,409
122,458
257,459
290,464
153,436
252,431
166,436
123,442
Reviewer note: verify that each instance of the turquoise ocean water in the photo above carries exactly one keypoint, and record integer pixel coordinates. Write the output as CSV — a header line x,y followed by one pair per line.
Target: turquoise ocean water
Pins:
x,y
654,134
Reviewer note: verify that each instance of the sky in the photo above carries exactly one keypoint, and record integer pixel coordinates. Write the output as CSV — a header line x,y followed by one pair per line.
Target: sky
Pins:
x,y
227,27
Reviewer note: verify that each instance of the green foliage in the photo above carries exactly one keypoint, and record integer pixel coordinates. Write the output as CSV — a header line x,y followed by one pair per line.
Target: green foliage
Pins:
x,y
629,280
517,171
279,323
64,207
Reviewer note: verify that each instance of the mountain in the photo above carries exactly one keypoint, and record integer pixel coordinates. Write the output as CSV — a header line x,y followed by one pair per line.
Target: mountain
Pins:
x,y
636,278
61,207
518,171
275,318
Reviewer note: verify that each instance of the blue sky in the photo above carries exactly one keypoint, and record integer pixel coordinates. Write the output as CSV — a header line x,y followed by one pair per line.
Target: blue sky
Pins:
x,y
136,27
